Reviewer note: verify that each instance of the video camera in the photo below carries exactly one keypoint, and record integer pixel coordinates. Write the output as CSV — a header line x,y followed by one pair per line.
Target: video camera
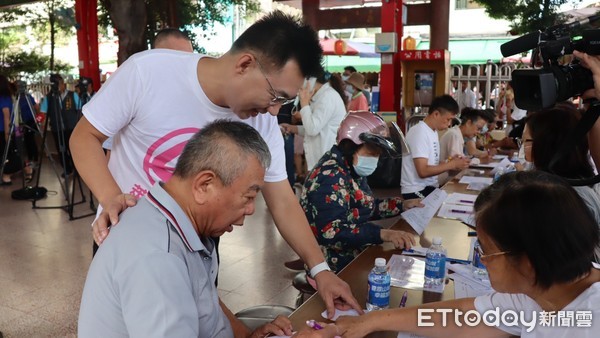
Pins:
x,y
83,83
540,88
21,86
54,81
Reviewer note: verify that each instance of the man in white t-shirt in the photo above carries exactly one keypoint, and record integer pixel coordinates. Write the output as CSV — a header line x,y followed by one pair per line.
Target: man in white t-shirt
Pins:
x,y
452,143
421,167
467,97
158,99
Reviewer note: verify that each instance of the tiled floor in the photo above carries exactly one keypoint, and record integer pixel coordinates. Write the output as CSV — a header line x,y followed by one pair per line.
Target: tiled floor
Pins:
x,y
44,259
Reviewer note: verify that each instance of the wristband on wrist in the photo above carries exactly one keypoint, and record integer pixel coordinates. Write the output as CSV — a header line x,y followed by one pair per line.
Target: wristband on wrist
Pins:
x,y
319,268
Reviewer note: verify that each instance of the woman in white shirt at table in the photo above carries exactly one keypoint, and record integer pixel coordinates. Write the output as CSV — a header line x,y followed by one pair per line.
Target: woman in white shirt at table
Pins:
x,y
322,109
537,238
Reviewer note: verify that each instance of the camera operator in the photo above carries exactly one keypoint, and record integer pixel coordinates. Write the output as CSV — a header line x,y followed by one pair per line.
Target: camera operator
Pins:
x,y
592,62
68,107
85,89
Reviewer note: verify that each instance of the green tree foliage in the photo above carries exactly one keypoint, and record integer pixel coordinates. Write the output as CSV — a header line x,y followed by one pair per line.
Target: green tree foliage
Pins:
x,y
137,32
47,21
526,15
28,64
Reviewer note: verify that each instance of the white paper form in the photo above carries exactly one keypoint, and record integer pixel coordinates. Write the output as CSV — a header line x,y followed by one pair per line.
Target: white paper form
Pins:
x,y
458,198
499,157
418,218
474,179
504,164
465,288
455,211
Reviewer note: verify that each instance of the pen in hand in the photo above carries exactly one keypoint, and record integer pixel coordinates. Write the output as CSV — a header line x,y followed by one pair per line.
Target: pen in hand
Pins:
x,y
404,298
312,323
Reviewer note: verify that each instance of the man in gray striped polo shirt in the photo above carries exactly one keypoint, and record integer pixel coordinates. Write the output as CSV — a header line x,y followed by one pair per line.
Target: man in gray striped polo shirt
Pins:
x,y
155,275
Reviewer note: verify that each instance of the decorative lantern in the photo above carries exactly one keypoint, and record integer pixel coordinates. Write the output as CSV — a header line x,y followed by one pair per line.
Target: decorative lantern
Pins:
x,y
339,48
409,43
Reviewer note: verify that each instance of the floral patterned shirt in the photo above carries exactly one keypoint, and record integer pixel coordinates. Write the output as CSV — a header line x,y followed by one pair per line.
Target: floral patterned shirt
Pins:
x,y
339,205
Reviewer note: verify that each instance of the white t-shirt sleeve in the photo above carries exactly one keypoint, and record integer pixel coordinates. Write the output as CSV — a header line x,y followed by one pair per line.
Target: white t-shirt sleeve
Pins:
x,y
417,142
115,105
505,302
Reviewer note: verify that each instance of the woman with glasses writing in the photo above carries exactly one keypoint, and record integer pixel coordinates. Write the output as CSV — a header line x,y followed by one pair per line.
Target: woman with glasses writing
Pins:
x,y
538,239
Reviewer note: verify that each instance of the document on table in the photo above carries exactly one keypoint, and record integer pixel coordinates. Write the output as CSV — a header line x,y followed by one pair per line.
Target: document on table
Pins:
x,y
465,288
504,164
409,273
418,218
458,198
466,284
474,179
455,211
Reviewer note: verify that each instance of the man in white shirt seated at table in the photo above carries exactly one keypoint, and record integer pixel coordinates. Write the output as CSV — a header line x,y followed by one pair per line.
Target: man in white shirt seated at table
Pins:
x,y
154,276
452,143
420,168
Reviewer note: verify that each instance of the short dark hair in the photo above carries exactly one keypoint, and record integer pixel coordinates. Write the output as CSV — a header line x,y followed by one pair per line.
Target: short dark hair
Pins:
x,y
445,102
169,32
540,216
224,147
351,69
5,89
489,115
469,114
278,38
549,129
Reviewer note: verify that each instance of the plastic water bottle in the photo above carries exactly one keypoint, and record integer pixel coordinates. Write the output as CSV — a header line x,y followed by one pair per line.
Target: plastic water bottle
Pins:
x,y
515,157
379,286
499,172
479,270
435,263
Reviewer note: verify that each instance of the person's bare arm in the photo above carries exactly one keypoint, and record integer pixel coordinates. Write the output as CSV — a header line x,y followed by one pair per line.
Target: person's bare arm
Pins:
x,y
239,329
407,320
88,156
293,226
425,170
473,151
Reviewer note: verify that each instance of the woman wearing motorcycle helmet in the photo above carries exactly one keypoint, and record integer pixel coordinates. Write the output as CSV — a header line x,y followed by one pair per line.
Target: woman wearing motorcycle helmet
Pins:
x,y
337,199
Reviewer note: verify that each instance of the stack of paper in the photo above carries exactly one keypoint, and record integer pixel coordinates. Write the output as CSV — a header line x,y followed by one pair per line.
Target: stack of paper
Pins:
x,y
418,218
476,183
466,284
457,206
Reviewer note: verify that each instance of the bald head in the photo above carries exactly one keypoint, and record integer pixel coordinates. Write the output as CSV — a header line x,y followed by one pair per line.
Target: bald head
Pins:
x,y
171,38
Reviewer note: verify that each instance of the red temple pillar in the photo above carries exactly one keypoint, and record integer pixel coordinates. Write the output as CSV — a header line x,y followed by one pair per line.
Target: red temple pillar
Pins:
x,y
86,14
390,82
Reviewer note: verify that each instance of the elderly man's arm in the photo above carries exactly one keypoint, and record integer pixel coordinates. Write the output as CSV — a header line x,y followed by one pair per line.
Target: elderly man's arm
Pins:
x,y
293,226
86,148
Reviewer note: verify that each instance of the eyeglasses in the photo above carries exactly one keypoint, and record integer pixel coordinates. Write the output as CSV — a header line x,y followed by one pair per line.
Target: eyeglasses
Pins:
x,y
277,99
483,256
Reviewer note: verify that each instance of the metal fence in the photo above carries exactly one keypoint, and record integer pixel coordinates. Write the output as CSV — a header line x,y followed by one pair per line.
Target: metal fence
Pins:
x,y
490,77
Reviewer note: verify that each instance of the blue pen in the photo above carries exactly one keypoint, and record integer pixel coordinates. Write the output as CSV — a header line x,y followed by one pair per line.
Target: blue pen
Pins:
x,y
456,260
404,298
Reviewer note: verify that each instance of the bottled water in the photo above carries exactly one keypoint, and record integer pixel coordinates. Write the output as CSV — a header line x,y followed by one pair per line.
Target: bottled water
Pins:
x,y
379,286
435,263
479,270
499,172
